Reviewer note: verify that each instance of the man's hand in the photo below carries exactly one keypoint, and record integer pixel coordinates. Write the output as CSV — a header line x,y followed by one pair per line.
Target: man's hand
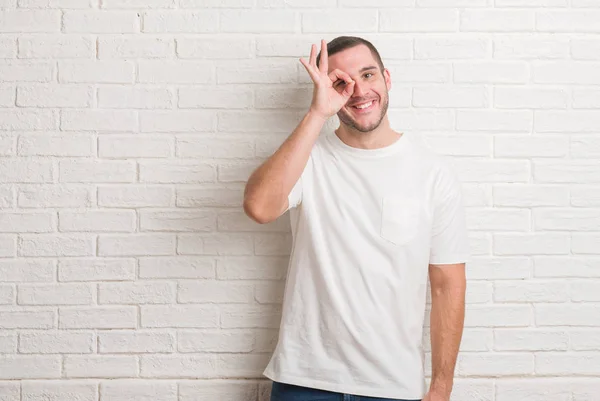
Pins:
x,y
432,395
328,98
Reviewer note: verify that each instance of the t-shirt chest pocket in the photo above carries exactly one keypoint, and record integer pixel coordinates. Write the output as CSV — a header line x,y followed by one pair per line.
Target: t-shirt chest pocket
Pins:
x,y
400,216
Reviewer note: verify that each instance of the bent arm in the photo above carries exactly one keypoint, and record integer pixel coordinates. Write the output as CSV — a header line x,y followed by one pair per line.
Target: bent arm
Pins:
x,y
267,189
448,288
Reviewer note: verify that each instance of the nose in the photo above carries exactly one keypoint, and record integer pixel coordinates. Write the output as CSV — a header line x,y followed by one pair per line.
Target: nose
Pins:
x,y
359,89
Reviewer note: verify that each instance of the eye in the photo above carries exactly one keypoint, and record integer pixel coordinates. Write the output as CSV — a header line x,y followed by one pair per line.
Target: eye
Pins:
x,y
368,74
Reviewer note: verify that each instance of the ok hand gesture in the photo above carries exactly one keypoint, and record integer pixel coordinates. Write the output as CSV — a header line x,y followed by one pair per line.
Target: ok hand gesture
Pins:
x,y
328,98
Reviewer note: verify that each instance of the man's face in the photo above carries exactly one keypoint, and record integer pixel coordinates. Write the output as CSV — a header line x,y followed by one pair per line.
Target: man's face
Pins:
x,y
367,107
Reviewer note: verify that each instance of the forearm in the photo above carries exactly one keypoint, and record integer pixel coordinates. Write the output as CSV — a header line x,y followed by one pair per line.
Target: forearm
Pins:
x,y
447,322
266,191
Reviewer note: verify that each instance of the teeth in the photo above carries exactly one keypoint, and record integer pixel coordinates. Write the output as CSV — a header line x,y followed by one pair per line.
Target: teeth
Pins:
x,y
364,106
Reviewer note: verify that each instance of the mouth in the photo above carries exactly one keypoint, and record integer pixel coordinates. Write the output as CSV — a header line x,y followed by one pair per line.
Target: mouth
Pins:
x,y
363,108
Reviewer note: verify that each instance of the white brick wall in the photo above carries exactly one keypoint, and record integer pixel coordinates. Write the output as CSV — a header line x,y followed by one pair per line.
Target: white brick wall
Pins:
x,y
128,128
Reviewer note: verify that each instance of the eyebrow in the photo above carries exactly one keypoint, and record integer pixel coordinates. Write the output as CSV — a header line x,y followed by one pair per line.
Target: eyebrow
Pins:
x,y
372,67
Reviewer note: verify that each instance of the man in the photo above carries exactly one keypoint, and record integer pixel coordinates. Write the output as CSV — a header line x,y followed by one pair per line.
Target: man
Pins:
x,y
373,213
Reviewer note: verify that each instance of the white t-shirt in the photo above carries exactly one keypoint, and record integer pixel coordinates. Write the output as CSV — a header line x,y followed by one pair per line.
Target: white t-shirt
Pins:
x,y
366,224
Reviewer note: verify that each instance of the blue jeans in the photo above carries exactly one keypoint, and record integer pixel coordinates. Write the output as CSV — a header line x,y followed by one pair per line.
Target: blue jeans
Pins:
x,y
290,392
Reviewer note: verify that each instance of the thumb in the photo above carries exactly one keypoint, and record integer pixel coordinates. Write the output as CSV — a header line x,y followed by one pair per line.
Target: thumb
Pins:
x,y
349,89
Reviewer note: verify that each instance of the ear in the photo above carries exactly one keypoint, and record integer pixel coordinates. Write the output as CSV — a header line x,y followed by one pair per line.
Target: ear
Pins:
x,y
388,79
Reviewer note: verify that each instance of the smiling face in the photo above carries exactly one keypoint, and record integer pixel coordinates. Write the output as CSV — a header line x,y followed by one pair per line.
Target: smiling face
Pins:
x,y
367,107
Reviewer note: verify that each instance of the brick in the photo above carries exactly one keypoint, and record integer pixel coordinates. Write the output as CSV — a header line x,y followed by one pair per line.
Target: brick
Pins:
x,y
529,98
98,120
136,245
28,222
56,145
568,21
253,268
566,219
177,121
555,363
498,220
97,171
250,316
258,122
181,21
136,293
225,98
59,390
585,49
258,72
137,145
496,364
451,48
139,390
97,269
452,3
121,47
195,316
215,244
531,244
40,245
342,21
97,72
567,315
135,196
41,196
582,172
22,271
540,389
54,294
135,98
578,266
54,96
214,291
19,119
309,3
216,3
566,72
257,21
524,47
180,72
216,341
215,48
205,390
176,366
29,367
177,221
101,22
96,221
584,243
497,72
272,293
239,221
418,20
7,95
214,196
136,4
422,120
8,345
57,342
473,389
455,96
586,98
25,171
582,146
56,46
27,319
7,200
115,342
494,120
240,365
586,196
189,172
531,3
20,21
526,195
108,317
177,267
208,147
100,366
538,146
10,390
268,244
585,291
486,20
585,340
8,47
7,297
532,291
26,71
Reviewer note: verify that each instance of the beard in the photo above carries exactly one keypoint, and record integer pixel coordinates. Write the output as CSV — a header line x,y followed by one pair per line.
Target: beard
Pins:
x,y
346,118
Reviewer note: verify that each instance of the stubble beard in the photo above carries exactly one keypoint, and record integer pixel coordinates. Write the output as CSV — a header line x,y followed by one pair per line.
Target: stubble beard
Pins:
x,y
347,119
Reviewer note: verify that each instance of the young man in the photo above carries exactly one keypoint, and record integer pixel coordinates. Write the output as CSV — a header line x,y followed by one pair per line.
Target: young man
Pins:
x,y
374,212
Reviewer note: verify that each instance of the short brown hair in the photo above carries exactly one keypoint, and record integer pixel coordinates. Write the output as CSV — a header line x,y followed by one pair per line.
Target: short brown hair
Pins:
x,y
346,42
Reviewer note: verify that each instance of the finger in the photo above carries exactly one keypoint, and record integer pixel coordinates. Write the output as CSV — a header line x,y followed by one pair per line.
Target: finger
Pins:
x,y
348,90
339,74
324,62
309,69
313,56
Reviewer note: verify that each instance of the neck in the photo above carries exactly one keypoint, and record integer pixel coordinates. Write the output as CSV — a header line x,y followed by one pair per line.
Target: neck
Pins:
x,y
380,137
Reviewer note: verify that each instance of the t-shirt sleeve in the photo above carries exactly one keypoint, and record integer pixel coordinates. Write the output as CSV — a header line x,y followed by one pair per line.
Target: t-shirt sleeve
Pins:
x,y
449,241
295,196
